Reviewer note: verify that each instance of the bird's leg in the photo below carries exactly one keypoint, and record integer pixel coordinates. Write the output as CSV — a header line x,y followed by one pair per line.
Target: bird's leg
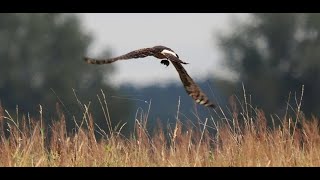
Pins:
x,y
165,62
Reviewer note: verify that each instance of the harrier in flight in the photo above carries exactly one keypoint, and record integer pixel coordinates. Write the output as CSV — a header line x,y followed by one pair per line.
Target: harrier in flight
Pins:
x,y
165,54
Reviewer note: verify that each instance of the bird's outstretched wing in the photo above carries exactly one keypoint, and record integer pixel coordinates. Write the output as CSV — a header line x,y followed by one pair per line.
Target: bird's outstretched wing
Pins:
x,y
190,86
140,53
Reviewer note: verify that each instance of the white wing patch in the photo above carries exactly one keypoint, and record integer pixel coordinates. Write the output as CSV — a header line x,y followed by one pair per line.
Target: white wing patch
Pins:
x,y
165,51
202,102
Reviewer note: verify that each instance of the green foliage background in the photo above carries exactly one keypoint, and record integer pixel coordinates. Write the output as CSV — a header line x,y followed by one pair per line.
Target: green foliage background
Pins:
x,y
42,64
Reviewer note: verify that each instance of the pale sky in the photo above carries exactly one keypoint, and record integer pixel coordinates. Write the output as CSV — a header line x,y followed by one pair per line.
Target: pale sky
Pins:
x,y
191,36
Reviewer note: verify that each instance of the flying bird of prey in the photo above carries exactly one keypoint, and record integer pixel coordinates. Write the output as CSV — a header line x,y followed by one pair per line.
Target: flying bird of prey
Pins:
x,y
160,52
165,54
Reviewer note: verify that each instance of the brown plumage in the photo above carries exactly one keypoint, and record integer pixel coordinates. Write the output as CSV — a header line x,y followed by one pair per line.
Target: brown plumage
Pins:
x,y
191,87
160,52
166,54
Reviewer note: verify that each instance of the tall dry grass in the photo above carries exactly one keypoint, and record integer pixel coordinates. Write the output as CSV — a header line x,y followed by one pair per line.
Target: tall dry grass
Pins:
x,y
245,139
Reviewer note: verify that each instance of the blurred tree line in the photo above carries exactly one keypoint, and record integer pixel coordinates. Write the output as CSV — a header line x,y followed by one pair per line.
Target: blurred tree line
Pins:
x,y
42,64
274,54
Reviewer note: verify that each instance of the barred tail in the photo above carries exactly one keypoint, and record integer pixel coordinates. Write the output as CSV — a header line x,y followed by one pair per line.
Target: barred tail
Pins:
x,y
98,61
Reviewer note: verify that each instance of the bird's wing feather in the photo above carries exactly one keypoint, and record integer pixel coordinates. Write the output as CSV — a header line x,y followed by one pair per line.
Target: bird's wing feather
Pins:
x,y
140,53
191,87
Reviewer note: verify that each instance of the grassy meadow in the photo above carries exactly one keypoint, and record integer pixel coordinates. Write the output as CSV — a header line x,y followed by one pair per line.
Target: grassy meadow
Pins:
x,y
245,139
